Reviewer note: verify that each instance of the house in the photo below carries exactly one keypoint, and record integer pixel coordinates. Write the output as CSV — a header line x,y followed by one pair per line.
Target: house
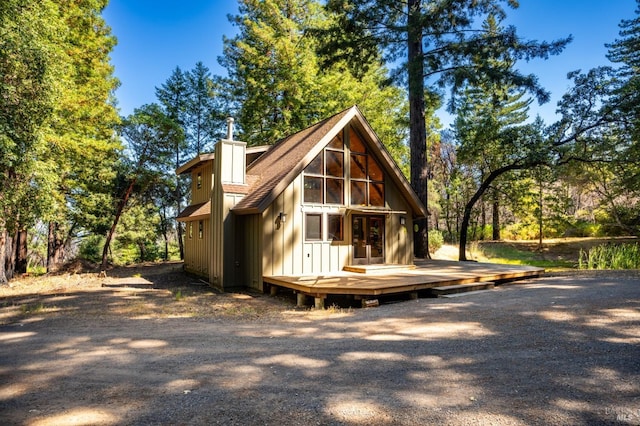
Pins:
x,y
325,198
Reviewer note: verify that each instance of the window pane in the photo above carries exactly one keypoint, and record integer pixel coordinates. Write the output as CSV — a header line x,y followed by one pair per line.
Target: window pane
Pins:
x,y
375,171
312,189
335,227
313,229
376,194
200,229
335,163
358,166
316,166
336,143
356,143
358,193
335,191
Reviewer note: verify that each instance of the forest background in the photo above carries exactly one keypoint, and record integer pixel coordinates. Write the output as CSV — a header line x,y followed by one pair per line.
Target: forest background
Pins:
x,y
77,179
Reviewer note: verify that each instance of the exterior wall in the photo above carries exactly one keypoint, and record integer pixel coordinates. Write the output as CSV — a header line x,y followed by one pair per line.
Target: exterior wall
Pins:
x,y
250,234
196,250
202,194
285,251
226,246
398,238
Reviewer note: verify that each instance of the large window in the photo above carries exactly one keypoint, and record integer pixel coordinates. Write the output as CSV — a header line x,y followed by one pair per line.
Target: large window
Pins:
x,y
367,177
324,176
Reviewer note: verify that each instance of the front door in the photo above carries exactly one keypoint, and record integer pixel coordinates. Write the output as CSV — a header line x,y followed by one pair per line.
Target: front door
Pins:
x,y
368,239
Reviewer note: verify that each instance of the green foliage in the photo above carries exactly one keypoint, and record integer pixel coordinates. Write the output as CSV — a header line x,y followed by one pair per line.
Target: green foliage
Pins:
x,y
436,240
32,70
611,256
136,234
91,248
277,87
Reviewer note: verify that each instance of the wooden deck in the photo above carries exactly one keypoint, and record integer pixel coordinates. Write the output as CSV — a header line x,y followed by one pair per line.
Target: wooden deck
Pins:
x,y
378,280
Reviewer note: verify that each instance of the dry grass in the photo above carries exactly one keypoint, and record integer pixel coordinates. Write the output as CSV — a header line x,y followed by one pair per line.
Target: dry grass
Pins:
x,y
138,292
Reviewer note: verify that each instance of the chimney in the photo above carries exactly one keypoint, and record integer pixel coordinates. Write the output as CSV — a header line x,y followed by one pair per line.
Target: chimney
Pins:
x,y
229,128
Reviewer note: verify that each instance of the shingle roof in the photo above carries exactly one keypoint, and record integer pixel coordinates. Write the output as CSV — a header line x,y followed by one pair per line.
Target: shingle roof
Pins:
x,y
282,163
279,166
195,212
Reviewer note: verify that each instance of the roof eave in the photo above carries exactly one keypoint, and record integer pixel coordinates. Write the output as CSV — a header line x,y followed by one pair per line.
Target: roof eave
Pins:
x,y
194,162
282,185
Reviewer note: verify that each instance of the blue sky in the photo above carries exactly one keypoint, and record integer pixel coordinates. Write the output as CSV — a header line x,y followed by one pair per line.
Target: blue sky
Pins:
x,y
155,36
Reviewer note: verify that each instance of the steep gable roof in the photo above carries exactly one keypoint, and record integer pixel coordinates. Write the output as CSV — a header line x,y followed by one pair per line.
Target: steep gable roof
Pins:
x,y
279,166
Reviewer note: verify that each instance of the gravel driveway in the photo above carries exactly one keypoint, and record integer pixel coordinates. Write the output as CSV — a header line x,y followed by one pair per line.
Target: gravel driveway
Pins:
x,y
555,351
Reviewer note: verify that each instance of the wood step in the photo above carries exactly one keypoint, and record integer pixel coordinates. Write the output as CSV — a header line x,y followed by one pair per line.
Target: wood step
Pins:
x,y
381,268
461,288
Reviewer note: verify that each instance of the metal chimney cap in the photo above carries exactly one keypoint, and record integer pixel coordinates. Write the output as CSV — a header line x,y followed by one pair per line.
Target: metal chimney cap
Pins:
x,y
230,128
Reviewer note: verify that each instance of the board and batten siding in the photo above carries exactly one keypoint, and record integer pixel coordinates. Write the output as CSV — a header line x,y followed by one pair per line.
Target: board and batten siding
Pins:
x,y
202,194
197,249
285,251
398,238
196,259
250,234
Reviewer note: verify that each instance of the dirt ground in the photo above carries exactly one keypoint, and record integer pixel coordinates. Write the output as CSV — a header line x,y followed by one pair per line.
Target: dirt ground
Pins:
x,y
150,345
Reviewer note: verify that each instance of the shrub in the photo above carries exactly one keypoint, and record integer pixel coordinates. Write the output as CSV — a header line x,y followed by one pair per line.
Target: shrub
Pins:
x,y
435,240
91,248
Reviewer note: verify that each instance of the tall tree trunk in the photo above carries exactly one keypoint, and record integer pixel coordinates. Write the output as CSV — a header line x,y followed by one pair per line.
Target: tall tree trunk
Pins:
x,y
483,219
21,252
164,227
9,255
417,125
540,206
3,239
142,250
55,248
116,219
496,217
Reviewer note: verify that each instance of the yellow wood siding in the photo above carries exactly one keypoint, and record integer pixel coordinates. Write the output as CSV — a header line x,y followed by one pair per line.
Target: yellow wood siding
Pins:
x,y
285,250
202,194
398,238
196,250
249,228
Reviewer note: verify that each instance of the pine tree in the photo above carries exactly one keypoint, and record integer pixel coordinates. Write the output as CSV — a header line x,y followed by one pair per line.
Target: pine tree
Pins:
x,y
486,111
277,87
174,97
441,45
202,119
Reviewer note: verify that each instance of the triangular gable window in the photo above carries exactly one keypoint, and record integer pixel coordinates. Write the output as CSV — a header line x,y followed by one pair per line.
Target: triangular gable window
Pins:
x,y
367,177
324,176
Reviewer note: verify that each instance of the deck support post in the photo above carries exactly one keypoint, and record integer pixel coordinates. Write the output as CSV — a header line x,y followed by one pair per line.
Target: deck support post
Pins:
x,y
413,295
301,300
319,302
273,290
